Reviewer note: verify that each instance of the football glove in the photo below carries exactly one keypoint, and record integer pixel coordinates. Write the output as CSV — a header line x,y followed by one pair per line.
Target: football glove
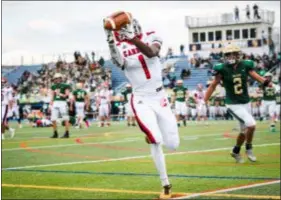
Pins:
x,y
109,36
127,32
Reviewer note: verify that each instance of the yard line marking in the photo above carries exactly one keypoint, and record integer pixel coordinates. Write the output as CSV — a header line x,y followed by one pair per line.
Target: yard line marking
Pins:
x,y
130,191
79,189
66,145
229,189
142,174
245,196
129,158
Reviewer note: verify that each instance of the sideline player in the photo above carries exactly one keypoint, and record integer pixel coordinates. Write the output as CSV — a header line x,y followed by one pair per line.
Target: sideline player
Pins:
x,y
7,104
268,106
16,108
179,99
60,94
127,100
81,101
200,104
104,106
139,58
234,73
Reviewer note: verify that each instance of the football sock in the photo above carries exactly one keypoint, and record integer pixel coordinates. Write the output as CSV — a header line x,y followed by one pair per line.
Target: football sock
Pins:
x,y
249,146
184,122
236,149
159,161
179,124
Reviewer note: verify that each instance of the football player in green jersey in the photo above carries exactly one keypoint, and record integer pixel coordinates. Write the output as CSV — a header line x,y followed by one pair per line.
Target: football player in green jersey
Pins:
x,y
269,103
81,101
234,73
127,100
179,99
59,108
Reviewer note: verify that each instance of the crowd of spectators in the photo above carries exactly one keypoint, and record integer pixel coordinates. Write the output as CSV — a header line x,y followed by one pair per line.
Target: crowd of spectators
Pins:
x,y
32,86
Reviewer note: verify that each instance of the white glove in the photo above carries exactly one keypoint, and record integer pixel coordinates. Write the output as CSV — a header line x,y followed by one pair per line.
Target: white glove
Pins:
x,y
109,36
127,32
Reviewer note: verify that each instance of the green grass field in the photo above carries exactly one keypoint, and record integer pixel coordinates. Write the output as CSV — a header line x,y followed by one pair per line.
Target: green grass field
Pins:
x,y
114,163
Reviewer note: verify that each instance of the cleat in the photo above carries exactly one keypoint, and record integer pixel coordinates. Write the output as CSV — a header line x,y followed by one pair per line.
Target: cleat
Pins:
x,y
12,132
237,157
250,155
3,136
134,125
128,124
166,193
54,136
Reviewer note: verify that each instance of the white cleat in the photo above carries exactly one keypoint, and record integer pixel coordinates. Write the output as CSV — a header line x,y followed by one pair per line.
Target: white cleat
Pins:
x,y
12,132
250,155
237,157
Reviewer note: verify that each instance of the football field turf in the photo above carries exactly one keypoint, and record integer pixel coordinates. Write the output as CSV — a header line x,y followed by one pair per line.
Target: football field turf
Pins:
x,y
114,163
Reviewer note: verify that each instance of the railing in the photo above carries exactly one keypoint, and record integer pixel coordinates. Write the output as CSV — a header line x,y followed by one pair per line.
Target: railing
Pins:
x,y
229,18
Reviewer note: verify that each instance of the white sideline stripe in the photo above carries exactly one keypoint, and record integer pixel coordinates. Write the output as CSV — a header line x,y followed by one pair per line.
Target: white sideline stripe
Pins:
x,y
228,190
184,137
127,158
75,144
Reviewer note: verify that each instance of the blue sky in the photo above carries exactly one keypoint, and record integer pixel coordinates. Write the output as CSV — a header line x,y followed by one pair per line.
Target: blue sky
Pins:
x,y
36,28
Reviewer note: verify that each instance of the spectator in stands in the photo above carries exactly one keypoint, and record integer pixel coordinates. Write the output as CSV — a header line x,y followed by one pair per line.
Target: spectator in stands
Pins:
x,y
236,13
182,50
248,14
93,56
256,12
101,61
169,53
185,73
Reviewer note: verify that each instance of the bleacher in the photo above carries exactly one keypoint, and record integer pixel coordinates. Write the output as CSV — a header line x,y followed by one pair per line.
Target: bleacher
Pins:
x,y
14,75
7,69
118,77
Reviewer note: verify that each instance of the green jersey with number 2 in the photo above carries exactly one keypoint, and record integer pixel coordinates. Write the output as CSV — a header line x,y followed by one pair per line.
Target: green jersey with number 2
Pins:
x,y
235,81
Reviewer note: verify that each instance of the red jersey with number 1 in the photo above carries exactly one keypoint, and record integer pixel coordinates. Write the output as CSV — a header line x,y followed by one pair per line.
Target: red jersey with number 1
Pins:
x,y
144,74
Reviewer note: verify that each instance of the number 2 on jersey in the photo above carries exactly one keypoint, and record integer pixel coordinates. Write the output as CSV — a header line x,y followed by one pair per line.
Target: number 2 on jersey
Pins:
x,y
237,85
144,67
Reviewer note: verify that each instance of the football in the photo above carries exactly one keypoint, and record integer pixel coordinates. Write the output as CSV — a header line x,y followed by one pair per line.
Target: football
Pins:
x,y
117,20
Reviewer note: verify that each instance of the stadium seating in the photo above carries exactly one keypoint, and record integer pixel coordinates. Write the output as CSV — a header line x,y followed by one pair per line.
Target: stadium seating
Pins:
x,y
14,75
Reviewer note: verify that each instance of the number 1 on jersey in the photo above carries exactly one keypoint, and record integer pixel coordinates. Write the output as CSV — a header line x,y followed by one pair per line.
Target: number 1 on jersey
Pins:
x,y
144,67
